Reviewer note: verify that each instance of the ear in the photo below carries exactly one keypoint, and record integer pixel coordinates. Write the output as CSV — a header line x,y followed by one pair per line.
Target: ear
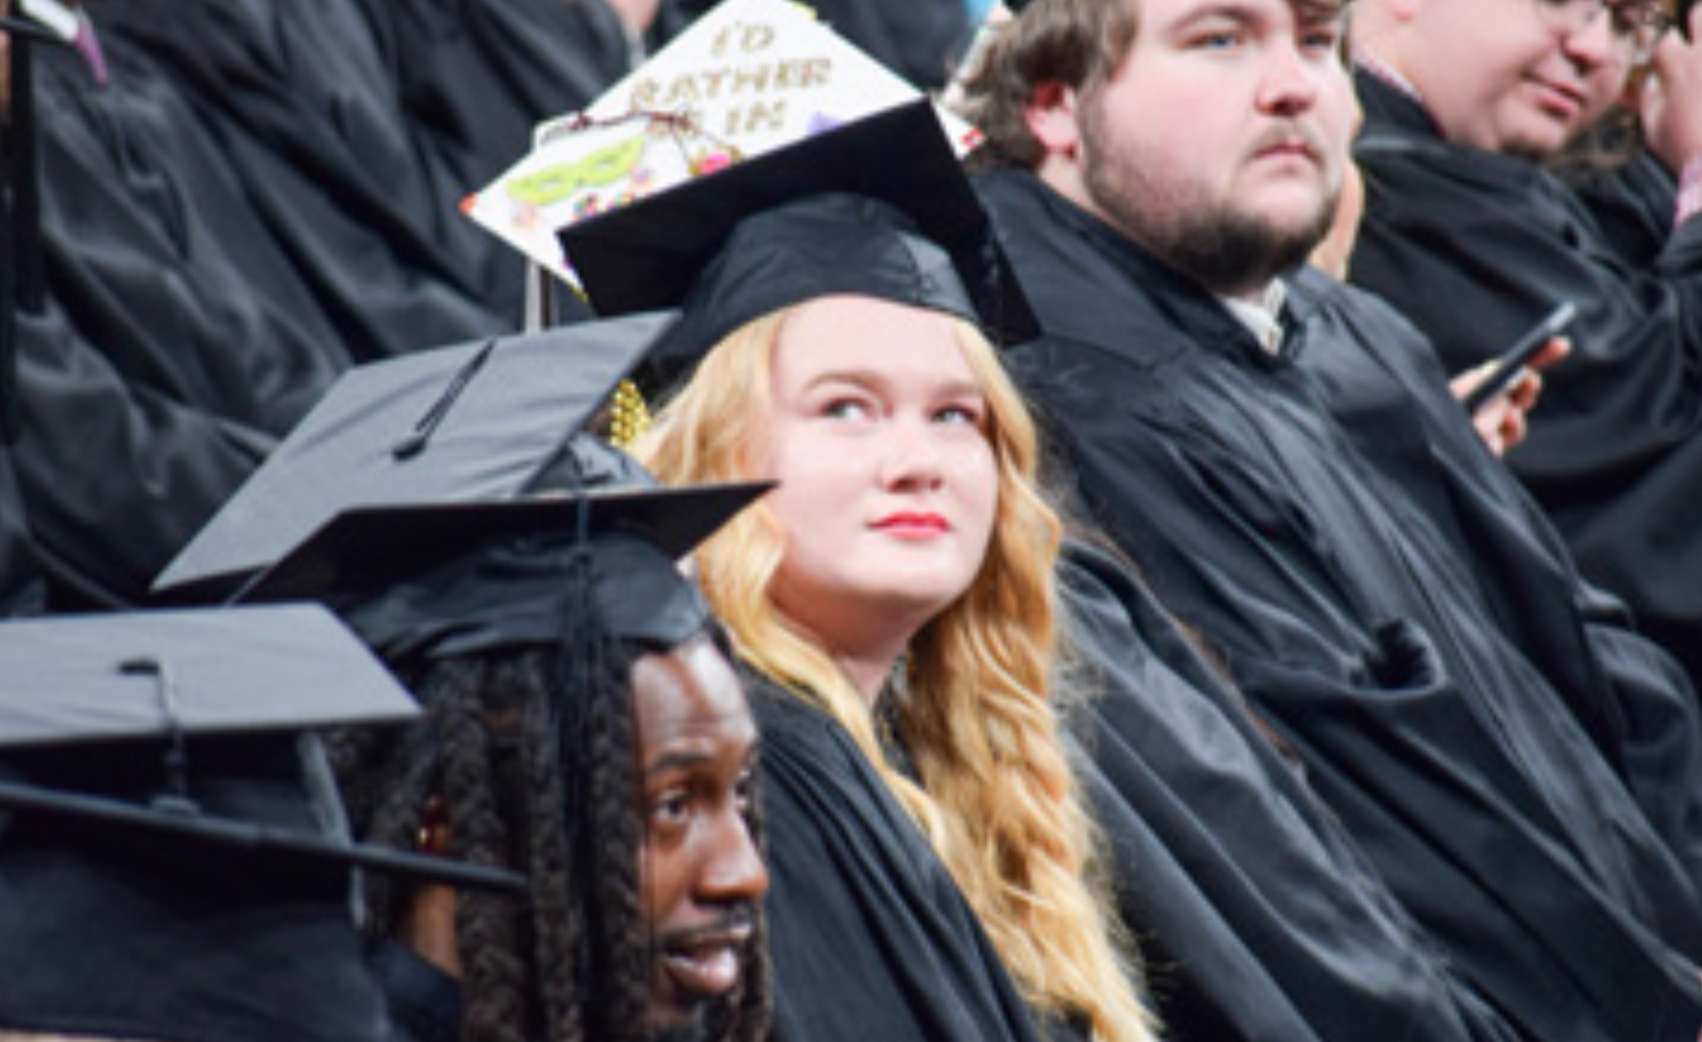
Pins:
x,y
1051,115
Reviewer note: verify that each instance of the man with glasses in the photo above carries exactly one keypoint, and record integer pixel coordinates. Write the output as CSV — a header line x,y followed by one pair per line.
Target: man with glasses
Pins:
x,y
1470,233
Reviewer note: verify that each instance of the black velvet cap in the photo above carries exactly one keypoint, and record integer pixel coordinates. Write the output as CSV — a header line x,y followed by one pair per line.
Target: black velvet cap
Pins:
x,y
475,422
878,207
173,860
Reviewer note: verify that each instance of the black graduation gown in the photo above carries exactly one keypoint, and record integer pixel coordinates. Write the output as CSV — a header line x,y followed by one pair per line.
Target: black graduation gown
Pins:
x,y
869,936
20,576
422,1002
178,340
303,98
1474,247
1256,915
116,474
476,76
1384,593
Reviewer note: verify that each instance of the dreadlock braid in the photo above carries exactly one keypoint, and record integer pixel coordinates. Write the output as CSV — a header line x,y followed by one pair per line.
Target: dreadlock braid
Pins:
x,y
610,847
494,978
385,785
555,952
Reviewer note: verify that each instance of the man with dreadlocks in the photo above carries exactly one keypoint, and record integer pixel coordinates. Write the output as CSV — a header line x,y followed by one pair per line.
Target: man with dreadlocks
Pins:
x,y
582,723
535,751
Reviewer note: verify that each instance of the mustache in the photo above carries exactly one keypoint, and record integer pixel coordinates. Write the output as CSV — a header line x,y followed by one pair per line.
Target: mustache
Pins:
x,y
1287,133
739,918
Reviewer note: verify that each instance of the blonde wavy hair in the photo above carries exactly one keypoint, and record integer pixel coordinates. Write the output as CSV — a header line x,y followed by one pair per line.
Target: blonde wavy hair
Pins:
x,y
996,796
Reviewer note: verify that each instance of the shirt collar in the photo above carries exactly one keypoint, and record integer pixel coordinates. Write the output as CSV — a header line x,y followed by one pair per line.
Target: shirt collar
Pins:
x,y
1262,317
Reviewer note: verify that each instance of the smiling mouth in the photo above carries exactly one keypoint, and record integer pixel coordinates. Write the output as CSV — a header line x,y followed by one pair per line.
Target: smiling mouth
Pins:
x,y
707,966
1560,96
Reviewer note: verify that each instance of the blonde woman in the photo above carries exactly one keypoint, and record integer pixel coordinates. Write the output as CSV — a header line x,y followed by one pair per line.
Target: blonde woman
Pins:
x,y
894,599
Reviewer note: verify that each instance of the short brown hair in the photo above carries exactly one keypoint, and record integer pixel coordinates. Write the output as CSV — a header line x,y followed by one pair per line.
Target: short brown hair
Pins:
x,y
1076,44
1073,43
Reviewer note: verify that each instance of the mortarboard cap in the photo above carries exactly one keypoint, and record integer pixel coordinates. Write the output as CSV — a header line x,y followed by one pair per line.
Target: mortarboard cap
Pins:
x,y
67,680
173,862
877,207
453,578
476,422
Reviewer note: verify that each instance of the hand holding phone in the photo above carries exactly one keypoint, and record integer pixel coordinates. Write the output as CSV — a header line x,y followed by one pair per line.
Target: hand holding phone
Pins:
x,y
1511,363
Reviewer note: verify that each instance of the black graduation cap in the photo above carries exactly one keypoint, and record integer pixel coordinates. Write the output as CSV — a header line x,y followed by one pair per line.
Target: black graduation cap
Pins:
x,y
877,207
456,577
173,862
476,422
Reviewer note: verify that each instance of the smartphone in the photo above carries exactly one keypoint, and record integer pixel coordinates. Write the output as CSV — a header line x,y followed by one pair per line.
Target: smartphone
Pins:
x,y
1512,362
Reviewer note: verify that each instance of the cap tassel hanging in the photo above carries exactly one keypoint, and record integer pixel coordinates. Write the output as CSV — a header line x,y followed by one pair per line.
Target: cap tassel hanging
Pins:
x,y
630,415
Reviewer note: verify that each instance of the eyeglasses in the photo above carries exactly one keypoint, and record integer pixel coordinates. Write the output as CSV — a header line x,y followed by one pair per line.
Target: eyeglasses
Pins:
x,y
1635,25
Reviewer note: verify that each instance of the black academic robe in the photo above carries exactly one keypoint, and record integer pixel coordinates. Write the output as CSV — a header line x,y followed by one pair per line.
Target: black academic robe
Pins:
x,y
476,76
116,474
20,574
1257,916
422,1002
303,98
1519,768
1473,247
869,936
178,341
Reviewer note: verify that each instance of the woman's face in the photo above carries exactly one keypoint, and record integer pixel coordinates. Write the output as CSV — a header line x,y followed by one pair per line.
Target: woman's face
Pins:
x,y
888,484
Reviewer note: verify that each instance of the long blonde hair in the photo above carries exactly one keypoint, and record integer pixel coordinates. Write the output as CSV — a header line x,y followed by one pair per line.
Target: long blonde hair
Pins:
x,y
996,796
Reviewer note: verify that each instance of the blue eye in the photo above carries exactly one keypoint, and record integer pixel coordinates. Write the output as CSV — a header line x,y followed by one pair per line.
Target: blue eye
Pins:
x,y
1218,41
1326,38
845,409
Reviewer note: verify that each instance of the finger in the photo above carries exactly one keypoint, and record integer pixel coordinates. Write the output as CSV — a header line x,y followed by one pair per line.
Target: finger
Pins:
x,y
1462,383
1526,391
1552,352
1513,430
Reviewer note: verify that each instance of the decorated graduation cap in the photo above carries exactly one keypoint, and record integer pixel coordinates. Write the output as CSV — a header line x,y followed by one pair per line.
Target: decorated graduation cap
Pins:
x,y
171,849
877,207
471,423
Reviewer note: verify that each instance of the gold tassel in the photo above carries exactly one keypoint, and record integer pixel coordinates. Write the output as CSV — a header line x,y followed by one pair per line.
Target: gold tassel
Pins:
x,y
631,416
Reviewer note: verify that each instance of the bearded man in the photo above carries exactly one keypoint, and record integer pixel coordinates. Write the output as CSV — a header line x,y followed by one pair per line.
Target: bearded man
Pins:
x,y
1281,455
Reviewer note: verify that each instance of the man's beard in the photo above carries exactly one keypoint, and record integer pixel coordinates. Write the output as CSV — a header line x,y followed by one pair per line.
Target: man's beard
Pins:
x,y
712,1022
1226,250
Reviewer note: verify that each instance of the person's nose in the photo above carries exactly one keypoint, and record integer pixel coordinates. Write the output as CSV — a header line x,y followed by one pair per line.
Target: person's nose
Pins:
x,y
1289,83
1594,43
912,459
734,870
